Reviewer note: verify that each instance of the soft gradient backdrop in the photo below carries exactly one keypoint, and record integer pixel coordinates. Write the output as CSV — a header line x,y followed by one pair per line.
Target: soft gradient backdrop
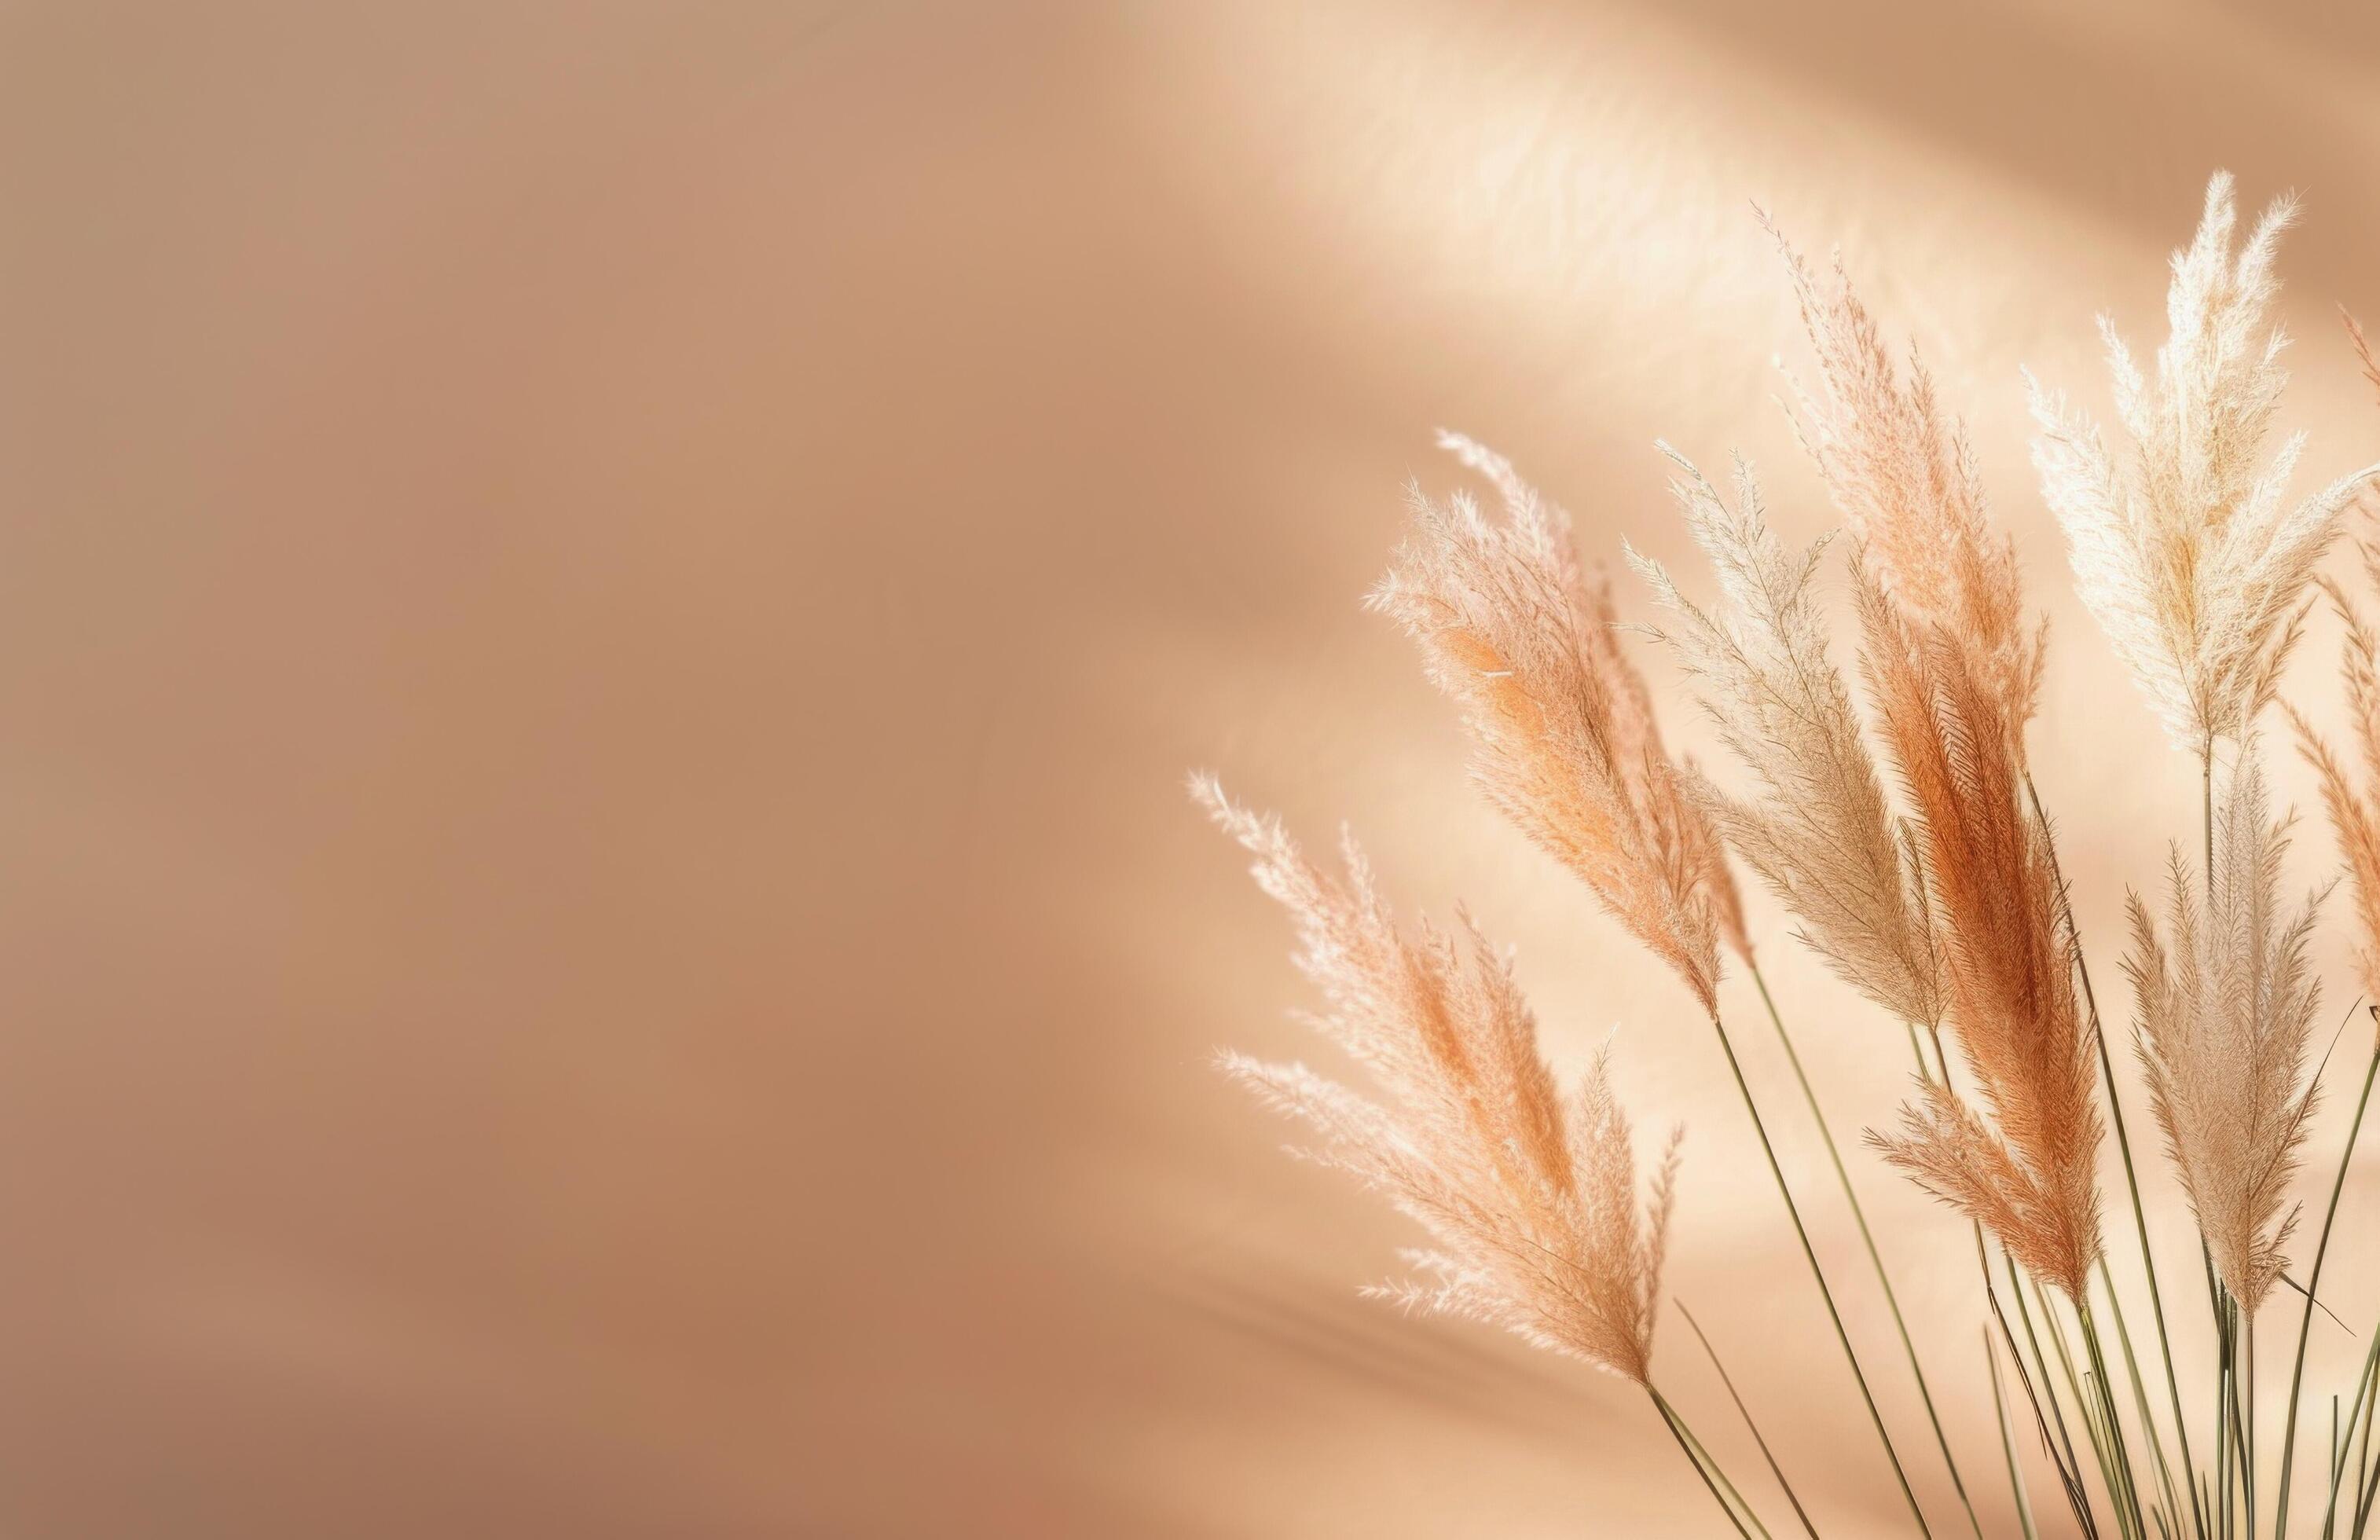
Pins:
x,y
603,608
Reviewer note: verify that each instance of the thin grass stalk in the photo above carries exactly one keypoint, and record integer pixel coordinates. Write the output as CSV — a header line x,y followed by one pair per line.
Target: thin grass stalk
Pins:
x,y
2111,1474
2370,1391
2314,1281
2367,1391
2123,1463
2244,1443
2094,1425
1719,1471
2008,1443
1875,1259
2341,1440
2168,1500
2124,1148
2366,1485
2363,1504
2171,1498
1678,1431
2242,1452
2364,1443
2340,1466
2129,1523
2223,1398
2363,1440
2069,1478
2338,1451
2081,1494
1766,1453
2149,1431
1793,1210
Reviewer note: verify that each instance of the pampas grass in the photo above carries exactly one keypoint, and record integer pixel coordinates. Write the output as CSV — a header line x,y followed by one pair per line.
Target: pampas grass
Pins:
x,y
2189,553
1568,749
1818,830
1901,473
1894,816
2352,797
1514,631
2226,1008
1954,671
2027,1173
1531,1196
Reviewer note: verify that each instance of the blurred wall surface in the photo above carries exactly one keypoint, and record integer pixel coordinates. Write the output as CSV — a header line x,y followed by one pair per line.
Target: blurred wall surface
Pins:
x,y
603,606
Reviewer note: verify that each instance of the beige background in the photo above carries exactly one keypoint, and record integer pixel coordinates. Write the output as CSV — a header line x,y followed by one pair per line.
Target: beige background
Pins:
x,y
603,608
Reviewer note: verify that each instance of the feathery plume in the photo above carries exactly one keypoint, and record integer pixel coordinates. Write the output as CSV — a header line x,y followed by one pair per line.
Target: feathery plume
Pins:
x,y
2188,554
1954,673
1819,830
1904,477
2362,347
1514,633
2222,1022
1532,1201
2028,1174
2354,801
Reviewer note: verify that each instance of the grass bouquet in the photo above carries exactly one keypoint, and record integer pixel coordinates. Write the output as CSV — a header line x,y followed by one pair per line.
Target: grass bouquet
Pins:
x,y
1891,810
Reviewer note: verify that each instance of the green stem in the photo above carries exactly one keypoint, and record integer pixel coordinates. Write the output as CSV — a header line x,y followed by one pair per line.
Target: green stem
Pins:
x,y
2008,1443
2248,1402
2314,1281
1810,1252
1678,1431
2337,1449
1721,1472
2094,1425
1774,1468
2363,1505
2224,1395
2079,1495
2361,1408
2140,1394
2238,1369
2069,1477
2122,1463
2364,1485
1875,1259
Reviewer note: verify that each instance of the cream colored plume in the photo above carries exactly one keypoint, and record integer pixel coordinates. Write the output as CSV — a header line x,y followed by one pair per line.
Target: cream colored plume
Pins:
x,y
1901,472
2223,1015
1819,829
1531,1196
2188,552
1514,633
